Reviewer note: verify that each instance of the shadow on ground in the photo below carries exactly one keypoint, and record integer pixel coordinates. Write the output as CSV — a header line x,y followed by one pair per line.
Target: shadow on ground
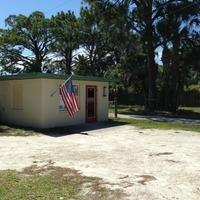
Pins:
x,y
12,130
80,129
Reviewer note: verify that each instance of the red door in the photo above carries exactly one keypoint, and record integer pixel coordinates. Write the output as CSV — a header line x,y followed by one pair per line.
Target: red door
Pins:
x,y
91,103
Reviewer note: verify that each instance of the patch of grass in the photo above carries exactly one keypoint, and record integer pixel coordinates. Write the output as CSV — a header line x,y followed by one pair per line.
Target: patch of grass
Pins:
x,y
191,112
185,112
6,130
128,109
193,109
52,183
12,130
151,124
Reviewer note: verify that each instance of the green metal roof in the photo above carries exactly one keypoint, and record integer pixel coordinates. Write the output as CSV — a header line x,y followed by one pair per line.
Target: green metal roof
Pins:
x,y
54,76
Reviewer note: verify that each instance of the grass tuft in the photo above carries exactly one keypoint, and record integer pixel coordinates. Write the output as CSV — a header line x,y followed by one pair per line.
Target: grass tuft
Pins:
x,y
183,112
151,124
52,183
15,131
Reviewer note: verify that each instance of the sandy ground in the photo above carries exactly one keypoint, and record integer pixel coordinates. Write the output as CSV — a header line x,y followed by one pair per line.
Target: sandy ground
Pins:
x,y
146,164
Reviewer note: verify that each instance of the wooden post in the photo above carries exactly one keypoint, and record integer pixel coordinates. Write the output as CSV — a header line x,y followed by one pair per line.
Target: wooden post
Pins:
x,y
115,100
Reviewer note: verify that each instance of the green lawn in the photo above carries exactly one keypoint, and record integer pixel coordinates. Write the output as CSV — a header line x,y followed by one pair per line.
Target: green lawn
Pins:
x,y
127,109
187,112
52,183
150,124
6,130
192,109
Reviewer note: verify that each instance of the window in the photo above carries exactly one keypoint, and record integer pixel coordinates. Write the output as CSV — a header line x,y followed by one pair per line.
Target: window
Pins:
x,y
17,97
91,92
61,103
105,92
76,91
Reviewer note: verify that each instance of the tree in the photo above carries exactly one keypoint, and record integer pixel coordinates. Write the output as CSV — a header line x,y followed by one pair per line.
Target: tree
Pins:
x,y
143,18
144,15
108,33
65,29
93,42
113,28
190,62
25,42
82,66
137,17
175,29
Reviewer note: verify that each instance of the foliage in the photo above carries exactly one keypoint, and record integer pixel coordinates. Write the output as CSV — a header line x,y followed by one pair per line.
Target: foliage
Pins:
x,y
112,38
175,32
112,48
25,43
65,30
82,66
93,44
134,29
192,88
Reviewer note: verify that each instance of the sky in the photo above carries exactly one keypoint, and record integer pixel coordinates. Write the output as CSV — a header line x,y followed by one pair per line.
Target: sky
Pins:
x,y
26,7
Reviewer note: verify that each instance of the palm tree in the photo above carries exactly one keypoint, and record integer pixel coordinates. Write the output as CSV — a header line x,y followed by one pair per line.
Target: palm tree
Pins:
x,y
174,30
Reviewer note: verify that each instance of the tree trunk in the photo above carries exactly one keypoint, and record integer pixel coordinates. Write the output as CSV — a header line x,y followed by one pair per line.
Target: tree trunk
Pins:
x,y
151,66
174,82
169,94
38,67
68,61
145,92
37,63
152,76
164,93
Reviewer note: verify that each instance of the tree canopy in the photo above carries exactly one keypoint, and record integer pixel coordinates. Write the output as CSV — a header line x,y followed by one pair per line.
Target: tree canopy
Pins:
x,y
25,42
65,30
112,38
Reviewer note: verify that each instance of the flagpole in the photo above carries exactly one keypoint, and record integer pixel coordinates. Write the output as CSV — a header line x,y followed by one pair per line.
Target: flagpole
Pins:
x,y
68,79
59,87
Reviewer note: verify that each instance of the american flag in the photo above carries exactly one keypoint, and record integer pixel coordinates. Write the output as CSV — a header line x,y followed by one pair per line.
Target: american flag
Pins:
x,y
68,96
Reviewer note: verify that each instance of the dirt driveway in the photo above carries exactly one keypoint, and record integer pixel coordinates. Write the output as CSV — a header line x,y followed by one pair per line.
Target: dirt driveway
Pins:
x,y
146,164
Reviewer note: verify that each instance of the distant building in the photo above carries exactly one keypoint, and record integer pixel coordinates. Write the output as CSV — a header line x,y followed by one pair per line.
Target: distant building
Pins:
x,y
28,100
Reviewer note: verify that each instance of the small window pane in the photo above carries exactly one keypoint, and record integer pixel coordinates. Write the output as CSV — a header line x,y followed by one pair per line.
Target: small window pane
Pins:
x,y
104,91
61,105
75,87
90,92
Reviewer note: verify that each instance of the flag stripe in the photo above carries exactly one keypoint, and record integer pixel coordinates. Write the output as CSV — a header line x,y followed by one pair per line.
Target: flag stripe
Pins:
x,y
75,102
70,101
69,98
66,101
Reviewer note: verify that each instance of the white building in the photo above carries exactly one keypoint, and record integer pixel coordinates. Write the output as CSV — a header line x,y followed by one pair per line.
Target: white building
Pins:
x,y
28,100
